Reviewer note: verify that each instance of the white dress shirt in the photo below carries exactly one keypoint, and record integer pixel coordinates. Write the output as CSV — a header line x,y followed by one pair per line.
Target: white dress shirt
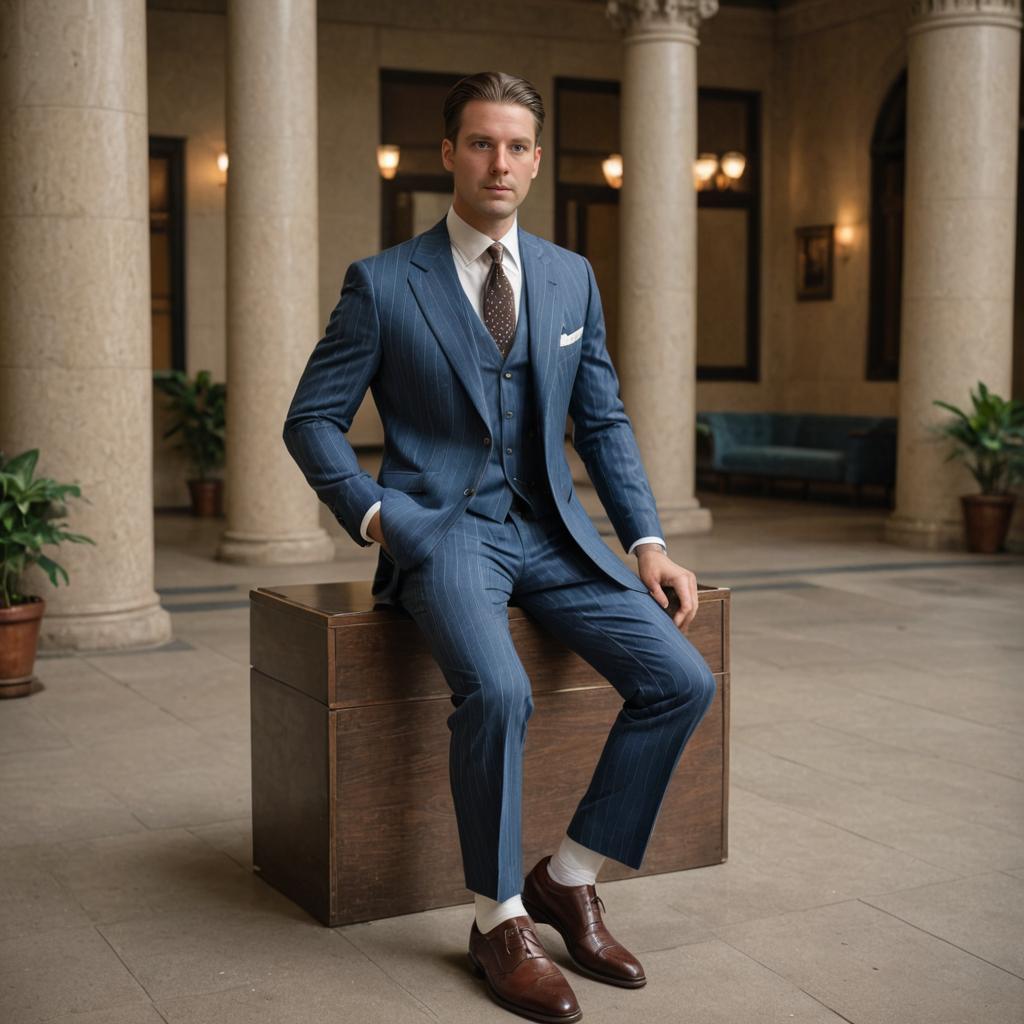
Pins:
x,y
473,264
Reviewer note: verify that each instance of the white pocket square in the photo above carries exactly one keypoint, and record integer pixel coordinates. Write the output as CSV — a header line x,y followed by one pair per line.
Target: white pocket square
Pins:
x,y
568,339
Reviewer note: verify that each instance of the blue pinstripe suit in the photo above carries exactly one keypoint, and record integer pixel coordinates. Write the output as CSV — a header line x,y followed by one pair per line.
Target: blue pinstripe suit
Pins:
x,y
403,328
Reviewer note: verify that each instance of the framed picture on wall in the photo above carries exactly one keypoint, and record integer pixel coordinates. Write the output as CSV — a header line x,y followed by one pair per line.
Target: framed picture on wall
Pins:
x,y
814,261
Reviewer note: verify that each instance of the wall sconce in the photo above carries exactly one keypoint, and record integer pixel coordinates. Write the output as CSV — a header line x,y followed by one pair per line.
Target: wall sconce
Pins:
x,y
222,167
387,161
710,172
611,167
846,235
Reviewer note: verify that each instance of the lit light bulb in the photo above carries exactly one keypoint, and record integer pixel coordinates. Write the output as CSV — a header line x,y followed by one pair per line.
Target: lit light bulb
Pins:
x,y
733,164
611,167
845,234
704,168
387,161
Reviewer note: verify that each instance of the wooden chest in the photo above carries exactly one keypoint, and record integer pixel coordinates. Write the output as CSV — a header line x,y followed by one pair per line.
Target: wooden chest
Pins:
x,y
351,804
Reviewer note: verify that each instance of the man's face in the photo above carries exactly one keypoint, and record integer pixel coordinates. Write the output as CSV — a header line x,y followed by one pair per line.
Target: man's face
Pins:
x,y
493,163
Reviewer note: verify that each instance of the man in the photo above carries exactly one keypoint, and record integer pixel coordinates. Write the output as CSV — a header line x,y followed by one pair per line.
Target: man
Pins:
x,y
477,339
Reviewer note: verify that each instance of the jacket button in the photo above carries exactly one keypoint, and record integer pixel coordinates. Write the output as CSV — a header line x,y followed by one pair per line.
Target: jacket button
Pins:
x,y
508,451
487,442
508,414
508,376
468,491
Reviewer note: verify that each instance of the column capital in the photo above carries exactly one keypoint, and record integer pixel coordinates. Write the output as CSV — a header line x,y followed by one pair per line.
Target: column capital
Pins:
x,y
929,14
660,19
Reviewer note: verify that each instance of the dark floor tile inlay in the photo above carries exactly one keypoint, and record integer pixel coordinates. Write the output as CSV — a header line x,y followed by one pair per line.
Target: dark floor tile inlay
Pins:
x,y
216,588
205,606
996,562
782,585
170,647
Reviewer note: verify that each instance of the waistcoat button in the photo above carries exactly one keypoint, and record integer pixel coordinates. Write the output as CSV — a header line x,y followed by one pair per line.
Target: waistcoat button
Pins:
x,y
508,451
468,491
508,376
487,441
508,414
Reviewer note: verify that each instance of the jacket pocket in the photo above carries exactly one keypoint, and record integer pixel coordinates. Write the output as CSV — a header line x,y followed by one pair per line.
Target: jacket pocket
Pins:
x,y
409,481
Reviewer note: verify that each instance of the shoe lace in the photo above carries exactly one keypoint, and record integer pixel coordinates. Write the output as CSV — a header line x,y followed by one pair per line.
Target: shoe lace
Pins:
x,y
595,899
524,940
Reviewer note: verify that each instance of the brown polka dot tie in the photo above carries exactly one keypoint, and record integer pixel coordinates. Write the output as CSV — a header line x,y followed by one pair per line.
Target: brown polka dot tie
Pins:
x,y
499,303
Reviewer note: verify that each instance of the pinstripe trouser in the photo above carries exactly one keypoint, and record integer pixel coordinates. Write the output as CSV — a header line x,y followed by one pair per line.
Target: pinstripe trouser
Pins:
x,y
459,598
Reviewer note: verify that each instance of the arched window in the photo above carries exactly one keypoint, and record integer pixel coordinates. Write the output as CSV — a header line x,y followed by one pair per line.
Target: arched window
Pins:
x,y
888,147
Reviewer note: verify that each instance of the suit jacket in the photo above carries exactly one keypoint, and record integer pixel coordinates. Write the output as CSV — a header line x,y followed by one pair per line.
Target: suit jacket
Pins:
x,y
401,328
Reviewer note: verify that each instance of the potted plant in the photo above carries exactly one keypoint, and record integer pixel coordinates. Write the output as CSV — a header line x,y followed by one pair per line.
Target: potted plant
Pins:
x,y
29,510
199,407
991,440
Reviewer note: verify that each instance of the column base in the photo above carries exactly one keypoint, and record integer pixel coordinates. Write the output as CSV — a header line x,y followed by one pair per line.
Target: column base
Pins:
x,y
282,549
686,519
926,534
146,626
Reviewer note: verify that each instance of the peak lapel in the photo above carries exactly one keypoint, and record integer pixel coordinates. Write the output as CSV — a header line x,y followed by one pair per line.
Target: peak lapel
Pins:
x,y
545,325
438,290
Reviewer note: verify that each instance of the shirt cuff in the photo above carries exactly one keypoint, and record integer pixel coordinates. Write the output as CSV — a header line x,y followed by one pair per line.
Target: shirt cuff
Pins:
x,y
366,521
646,540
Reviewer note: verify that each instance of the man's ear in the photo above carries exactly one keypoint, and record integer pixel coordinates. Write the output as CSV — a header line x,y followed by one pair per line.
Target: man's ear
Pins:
x,y
446,154
536,163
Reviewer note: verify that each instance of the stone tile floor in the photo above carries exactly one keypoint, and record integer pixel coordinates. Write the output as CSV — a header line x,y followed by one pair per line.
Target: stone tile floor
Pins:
x,y
876,867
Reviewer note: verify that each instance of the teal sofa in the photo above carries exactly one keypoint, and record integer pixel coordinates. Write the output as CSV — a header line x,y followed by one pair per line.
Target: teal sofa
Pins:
x,y
809,447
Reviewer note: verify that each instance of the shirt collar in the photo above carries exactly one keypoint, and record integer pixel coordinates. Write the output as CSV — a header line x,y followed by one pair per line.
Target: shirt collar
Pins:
x,y
470,244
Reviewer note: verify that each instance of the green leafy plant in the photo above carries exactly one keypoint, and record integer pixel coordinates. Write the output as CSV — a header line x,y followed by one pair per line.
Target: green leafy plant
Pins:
x,y
29,510
990,439
199,407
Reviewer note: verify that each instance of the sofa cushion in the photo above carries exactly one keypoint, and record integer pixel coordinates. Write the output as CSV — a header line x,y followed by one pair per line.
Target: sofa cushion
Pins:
x,y
785,461
824,431
745,442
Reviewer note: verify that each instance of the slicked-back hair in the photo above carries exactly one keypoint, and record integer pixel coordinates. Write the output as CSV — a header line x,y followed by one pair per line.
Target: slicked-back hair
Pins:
x,y
492,87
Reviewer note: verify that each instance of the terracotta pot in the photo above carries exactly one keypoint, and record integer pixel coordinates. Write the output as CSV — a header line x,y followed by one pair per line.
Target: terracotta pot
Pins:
x,y
986,521
19,636
207,497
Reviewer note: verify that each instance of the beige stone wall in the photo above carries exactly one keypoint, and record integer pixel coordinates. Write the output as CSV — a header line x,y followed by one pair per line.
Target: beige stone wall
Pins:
x,y
186,71
186,100
832,65
737,52
186,83
823,70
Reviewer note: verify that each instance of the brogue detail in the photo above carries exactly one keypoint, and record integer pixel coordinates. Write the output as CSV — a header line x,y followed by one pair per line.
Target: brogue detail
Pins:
x,y
519,974
575,912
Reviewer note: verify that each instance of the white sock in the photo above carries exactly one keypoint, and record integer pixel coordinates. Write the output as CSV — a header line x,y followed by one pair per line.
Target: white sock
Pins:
x,y
573,864
490,913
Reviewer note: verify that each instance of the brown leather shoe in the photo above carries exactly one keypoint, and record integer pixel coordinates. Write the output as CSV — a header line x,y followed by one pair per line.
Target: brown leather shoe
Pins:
x,y
575,912
520,975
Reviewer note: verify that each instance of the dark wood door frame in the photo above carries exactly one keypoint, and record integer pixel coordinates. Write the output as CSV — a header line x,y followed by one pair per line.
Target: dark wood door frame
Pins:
x,y
173,151
750,201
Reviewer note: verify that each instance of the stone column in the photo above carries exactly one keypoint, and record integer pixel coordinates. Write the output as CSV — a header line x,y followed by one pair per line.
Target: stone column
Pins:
x,y
657,357
76,377
272,300
958,262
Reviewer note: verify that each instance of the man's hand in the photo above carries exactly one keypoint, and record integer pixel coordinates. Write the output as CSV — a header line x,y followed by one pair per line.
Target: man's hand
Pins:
x,y
374,530
656,568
